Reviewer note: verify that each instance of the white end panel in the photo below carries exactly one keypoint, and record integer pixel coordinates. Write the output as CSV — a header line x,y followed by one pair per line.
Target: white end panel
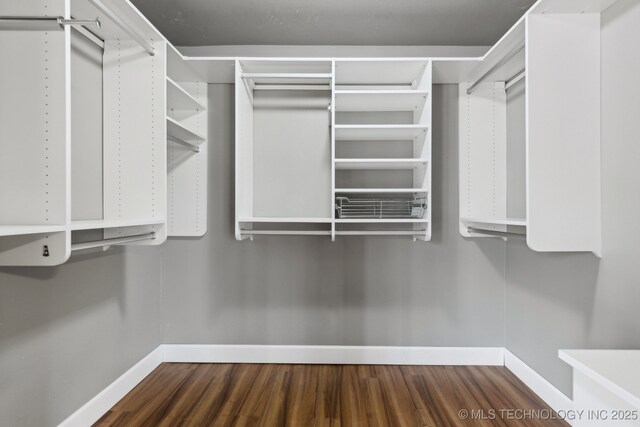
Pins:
x,y
244,151
135,148
187,186
483,153
34,138
563,132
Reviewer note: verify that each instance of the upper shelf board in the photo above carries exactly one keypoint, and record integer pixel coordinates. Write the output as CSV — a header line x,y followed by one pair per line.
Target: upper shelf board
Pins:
x,y
380,72
380,132
125,11
16,230
520,222
380,100
374,164
178,131
180,99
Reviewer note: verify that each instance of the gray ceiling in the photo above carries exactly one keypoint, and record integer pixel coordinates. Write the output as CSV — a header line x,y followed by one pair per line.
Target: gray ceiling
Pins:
x,y
333,22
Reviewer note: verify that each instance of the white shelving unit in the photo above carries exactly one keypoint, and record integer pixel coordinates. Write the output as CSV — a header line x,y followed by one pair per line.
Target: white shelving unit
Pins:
x,y
294,121
385,105
530,132
85,152
187,148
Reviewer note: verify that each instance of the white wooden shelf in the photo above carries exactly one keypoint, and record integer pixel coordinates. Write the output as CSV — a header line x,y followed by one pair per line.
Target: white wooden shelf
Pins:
x,y
288,78
180,132
180,99
16,230
101,224
380,100
381,220
380,132
381,190
285,220
379,71
366,164
520,222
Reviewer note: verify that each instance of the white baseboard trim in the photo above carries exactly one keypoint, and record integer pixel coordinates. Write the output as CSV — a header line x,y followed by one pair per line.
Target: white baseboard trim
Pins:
x,y
103,401
543,388
345,355
193,353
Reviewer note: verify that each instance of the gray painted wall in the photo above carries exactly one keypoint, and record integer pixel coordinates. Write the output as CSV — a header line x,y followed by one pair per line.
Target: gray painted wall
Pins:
x,y
355,291
67,332
556,301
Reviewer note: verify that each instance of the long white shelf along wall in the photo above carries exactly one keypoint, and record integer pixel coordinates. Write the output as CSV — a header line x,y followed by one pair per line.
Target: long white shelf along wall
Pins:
x,y
341,188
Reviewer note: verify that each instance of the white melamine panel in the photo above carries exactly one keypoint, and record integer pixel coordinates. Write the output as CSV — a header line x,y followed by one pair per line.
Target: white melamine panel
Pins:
x,y
377,72
33,128
181,131
187,179
48,249
244,151
367,164
179,99
292,158
380,132
482,155
34,8
86,129
135,148
563,132
380,100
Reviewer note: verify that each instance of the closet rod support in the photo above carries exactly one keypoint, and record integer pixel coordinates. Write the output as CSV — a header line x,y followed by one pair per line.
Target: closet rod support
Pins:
x,y
495,68
123,26
113,241
496,233
515,79
192,147
80,22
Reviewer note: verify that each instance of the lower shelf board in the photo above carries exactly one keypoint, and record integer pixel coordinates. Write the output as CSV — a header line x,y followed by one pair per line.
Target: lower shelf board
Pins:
x,y
100,224
380,190
18,230
285,220
497,221
381,221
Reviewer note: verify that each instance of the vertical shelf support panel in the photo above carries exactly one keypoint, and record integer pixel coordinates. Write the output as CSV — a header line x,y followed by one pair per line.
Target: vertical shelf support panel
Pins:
x,y
563,132
135,149
35,138
482,153
187,170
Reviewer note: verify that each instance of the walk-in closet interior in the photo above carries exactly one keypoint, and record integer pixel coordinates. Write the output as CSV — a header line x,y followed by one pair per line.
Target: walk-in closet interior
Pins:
x,y
345,213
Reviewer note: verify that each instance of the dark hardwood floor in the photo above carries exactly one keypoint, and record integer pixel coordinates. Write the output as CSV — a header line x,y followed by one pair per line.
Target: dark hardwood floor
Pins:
x,y
183,394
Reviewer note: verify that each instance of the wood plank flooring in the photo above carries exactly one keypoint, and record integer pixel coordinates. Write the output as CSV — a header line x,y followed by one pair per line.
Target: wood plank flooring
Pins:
x,y
183,394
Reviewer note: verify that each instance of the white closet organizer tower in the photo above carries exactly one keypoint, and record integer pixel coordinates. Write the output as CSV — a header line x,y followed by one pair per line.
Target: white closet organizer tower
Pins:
x,y
187,149
530,132
333,147
83,126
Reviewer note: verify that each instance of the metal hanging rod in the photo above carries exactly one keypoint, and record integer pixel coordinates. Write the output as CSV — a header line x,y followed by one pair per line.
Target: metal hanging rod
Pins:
x,y
291,87
286,75
123,26
285,232
192,147
496,67
496,233
30,23
515,79
113,241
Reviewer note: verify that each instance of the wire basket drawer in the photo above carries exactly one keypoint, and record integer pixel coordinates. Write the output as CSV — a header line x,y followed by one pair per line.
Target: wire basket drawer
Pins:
x,y
380,208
